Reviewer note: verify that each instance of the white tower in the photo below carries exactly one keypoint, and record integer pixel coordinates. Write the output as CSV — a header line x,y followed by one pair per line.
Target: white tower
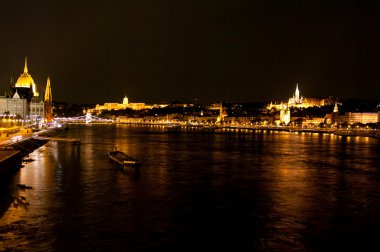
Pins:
x,y
125,101
297,94
88,117
336,110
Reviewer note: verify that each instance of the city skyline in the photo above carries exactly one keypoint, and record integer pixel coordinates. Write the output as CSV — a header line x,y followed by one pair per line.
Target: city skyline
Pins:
x,y
153,52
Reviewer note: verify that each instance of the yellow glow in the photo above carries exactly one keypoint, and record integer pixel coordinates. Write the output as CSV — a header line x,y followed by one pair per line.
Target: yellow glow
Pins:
x,y
26,81
48,94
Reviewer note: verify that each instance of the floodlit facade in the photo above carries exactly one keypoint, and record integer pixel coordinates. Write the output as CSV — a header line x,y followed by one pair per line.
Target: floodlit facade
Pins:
x,y
298,101
37,109
23,99
355,117
222,113
366,117
14,106
119,106
48,103
285,115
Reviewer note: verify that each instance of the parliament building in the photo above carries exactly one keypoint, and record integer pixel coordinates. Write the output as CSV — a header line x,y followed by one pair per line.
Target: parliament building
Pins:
x,y
24,101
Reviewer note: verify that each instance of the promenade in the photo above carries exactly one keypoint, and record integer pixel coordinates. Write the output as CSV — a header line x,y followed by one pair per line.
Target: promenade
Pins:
x,y
15,145
14,138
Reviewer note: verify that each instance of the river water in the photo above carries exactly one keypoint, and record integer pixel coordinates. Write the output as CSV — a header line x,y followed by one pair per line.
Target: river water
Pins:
x,y
257,191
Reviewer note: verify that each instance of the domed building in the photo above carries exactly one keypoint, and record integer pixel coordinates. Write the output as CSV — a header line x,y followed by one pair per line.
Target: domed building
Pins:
x,y
25,86
24,100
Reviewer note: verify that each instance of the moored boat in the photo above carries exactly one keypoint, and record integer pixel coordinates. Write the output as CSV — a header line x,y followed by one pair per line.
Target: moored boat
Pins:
x,y
172,126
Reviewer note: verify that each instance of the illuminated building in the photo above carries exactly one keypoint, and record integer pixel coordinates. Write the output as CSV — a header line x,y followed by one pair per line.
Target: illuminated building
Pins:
x,y
301,102
48,103
275,106
14,105
298,101
316,121
355,117
37,109
138,106
125,101
336,109
24,99
365,117
25,85
119,106
285,115
222,113
109,106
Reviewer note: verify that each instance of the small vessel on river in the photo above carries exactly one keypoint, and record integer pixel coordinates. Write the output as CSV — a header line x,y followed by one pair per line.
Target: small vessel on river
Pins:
x,y
172,126
123,159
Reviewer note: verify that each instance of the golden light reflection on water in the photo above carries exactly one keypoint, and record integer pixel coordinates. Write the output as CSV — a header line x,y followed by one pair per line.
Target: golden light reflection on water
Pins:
x,y
294,181
289,177
291,189
28,217
157,148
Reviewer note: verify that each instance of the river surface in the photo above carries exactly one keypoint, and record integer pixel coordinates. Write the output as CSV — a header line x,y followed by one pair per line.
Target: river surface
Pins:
x,y
241,191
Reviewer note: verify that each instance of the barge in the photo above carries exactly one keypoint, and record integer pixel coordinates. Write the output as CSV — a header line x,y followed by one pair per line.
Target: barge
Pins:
x,y
123,159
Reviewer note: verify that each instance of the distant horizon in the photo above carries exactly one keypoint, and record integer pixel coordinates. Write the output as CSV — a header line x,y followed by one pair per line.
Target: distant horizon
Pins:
x,y
212,102
185,100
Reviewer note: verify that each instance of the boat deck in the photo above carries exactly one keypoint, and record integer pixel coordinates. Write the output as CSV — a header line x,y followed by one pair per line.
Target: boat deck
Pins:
x,y
123,159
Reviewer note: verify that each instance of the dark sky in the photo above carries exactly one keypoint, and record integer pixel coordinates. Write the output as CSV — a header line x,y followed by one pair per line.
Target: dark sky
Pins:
x,y
164,50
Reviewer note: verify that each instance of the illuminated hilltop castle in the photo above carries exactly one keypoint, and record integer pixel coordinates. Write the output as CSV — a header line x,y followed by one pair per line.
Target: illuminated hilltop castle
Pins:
x,y
298,101
108,106
23,99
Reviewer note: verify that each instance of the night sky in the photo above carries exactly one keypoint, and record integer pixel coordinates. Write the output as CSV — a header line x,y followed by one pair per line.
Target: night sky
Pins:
x,y
163,50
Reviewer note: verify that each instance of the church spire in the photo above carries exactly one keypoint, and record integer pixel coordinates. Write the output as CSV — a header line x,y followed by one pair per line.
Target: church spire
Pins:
x,y
297,94
48,103
48,95
26,65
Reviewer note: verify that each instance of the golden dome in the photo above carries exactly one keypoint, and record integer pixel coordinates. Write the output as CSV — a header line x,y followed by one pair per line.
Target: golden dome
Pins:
x,y
26,81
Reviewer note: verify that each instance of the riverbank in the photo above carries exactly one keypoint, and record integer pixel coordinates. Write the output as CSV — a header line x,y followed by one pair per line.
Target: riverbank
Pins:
x,y
11,156
213,127
14,147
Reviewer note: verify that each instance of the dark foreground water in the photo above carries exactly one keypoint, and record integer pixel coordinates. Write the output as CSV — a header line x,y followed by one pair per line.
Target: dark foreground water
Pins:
x,y
261,191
